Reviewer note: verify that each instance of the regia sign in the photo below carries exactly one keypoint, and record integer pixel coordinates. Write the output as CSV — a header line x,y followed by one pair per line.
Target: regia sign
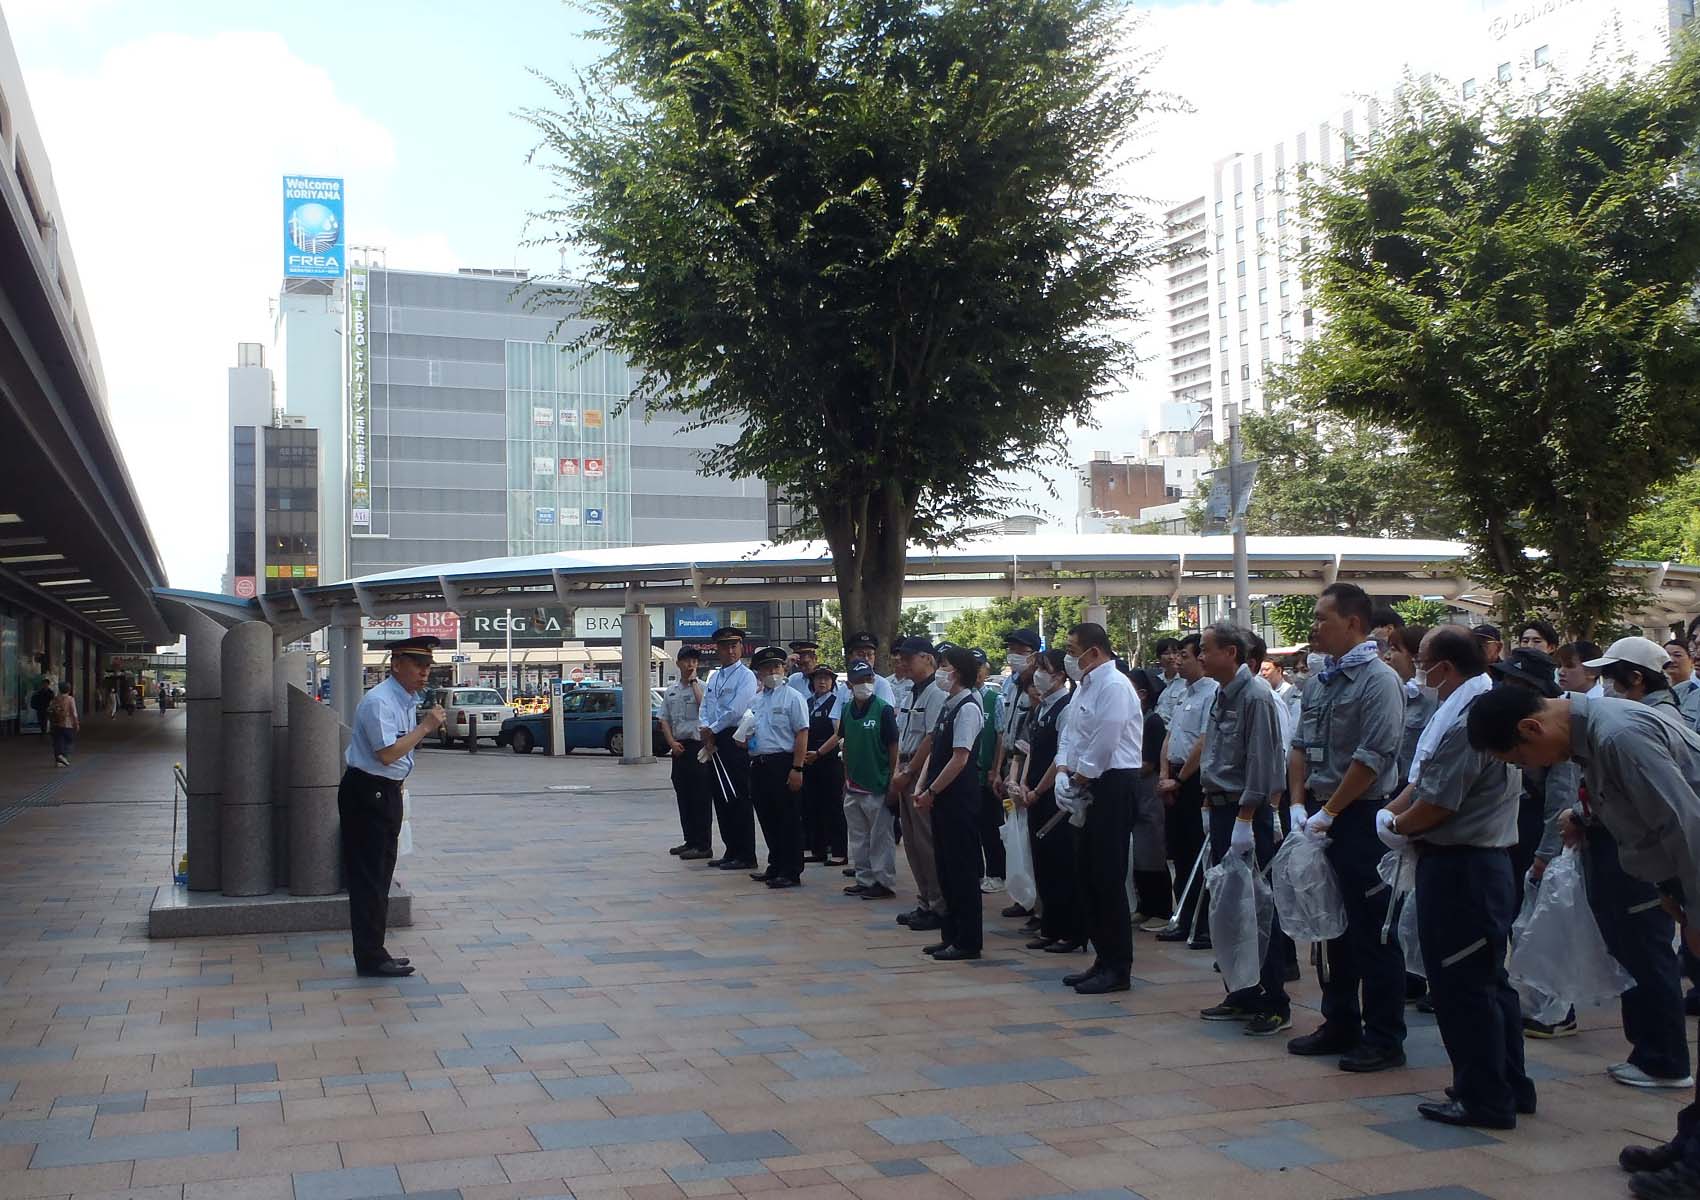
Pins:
x,y
490,628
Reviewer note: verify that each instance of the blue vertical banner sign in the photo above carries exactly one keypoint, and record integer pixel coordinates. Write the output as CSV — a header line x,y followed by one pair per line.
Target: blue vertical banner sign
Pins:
x,y
359,408
314,242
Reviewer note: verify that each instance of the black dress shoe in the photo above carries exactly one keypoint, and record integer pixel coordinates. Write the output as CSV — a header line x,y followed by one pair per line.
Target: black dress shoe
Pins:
x,y
1103,982
761,876
921,922
1314,1045
1366,1059
1041,943
1176,934
715,862
1202,943
1032,925
1061,947
1015,910
903,918
1525,1106
694,854
879,892
402,962
1081,976
850,872
955,954
935,948
781,881
390,969
1678,1181
680,848
855,889
1453,1113
737,864
1648,1158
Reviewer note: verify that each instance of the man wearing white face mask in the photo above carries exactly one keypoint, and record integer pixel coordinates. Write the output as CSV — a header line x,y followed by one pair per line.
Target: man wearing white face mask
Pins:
x,y
777,746
867,733
917,714
1020,645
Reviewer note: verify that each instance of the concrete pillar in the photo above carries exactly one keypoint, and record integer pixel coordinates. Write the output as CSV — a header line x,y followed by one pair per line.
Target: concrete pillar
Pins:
x,y
348,672
288,669
1097,614
636,721
245,815
204,739
316,740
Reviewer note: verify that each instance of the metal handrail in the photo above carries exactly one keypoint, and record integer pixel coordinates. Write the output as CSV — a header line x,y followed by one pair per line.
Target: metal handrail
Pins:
x,y
179,789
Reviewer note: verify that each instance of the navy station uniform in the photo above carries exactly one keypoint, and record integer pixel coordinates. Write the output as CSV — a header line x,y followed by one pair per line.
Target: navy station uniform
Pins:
x,y
955,821
1060,917
823,779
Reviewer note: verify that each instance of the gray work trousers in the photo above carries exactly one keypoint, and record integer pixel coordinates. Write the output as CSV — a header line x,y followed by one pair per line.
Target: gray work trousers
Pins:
x,y
918,846
873,838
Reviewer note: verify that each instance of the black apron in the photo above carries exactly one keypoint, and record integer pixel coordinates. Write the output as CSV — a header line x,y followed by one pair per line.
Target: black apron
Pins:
x,y
821,725
965,788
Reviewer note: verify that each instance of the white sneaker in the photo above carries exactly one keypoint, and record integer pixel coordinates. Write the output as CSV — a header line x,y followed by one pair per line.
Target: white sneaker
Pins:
x,y
1633,1076
991,885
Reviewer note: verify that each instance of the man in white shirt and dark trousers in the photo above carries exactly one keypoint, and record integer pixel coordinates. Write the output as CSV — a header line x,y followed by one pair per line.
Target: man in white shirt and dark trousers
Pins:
x,y
1101,755
950,793
368,800
1182,790
725,698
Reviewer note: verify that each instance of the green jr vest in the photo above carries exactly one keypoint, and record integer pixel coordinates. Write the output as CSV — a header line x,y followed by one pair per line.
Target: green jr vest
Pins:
x,y
867,760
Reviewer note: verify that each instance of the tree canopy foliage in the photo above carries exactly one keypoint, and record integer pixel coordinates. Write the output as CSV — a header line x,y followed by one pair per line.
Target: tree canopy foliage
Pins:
x,y
1512,291
880,238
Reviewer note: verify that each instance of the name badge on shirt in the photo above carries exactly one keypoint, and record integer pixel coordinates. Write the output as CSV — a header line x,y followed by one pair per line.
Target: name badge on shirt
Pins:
x,y
1315,754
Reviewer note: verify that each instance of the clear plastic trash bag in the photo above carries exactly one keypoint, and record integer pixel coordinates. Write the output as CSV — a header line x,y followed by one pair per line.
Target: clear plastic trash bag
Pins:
x,y
1018,877
1242,908
1557,952
1408,937
404,841
1307,892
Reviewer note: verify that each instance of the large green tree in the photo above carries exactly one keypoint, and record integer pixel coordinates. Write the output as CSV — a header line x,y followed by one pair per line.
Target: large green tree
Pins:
x,y
1668,528
879,237
1513,292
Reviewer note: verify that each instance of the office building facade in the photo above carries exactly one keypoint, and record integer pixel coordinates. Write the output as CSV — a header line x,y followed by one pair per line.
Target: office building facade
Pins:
x,y
275,535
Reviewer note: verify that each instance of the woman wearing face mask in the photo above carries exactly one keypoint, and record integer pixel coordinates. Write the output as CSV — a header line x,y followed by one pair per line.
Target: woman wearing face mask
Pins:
x,y
952,795
1061,927
1636,929
1420,699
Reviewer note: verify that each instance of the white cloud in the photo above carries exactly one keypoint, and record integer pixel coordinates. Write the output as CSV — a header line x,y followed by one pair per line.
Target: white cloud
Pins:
x,y
167,155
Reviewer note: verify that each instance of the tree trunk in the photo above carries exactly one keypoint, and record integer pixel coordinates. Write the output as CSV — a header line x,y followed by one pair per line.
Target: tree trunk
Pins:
x,y
869,540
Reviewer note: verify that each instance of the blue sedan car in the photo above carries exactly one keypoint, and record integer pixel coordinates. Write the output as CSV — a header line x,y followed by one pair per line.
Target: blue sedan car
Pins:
x,y
590,720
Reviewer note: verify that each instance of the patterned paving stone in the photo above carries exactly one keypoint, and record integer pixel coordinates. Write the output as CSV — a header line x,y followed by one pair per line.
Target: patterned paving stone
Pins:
x,y
132,1147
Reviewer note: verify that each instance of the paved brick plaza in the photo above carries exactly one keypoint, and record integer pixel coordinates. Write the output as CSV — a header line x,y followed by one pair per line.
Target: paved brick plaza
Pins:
x,y
594,1018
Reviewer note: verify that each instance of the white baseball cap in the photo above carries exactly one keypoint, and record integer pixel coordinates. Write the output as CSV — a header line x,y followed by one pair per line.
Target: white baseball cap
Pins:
x,y
1638,651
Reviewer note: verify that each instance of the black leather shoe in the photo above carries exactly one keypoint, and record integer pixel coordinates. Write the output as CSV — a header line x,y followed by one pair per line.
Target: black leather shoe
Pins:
x,y
1648,1158
935,948
855,889
1032,925
715,862
737,864
903,918
921,922
1366,1060
1202,943
780,881
1041,943
1676,1182
402,962
1060,947
390,970
879,892
1314,1045
1015,910
1453,1113
1103,982
1081,976
1525,1106
680,848
761,876
1172,935
693,855
955,954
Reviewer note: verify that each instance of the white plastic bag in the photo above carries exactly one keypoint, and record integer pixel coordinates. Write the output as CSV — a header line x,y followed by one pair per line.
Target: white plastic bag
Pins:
x,y
1398,870
1536,1005
1307,892
404,842
1558,950
1242,908
1408,937
1018,860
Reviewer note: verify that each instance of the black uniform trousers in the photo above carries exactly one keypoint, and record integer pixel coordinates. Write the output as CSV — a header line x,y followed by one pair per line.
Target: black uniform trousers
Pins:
x,y
1101,849
732,806
823,806
1060,917
1359,958
991,832
1466,901
691,786
1185,835
780,811
1531,825
1270,994
1638,932
370,809
956,851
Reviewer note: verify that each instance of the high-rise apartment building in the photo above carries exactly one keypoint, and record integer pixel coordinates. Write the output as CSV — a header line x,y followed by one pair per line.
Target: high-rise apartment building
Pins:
x,y
1188,304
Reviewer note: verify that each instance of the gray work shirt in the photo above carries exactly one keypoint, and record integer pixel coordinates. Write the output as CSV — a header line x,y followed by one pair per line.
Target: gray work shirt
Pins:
x,y
1191,715
679,708
1013,705
1481,791
917,713
1243,761
1357,715
1687,695
1559,787
1169,697
1642,767
1418,709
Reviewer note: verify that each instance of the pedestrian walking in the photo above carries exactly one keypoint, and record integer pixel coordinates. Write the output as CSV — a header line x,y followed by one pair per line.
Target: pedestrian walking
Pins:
x,y
368,800
66,722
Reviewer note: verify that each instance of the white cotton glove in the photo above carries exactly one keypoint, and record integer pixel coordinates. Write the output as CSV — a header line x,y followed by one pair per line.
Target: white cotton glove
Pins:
x,y
1296,819
1384,831
1319,825
746,727
704,754
1241,842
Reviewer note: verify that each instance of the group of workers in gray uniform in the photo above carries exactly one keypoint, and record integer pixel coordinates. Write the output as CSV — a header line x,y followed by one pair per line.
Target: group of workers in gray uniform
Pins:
x,y
1479,758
